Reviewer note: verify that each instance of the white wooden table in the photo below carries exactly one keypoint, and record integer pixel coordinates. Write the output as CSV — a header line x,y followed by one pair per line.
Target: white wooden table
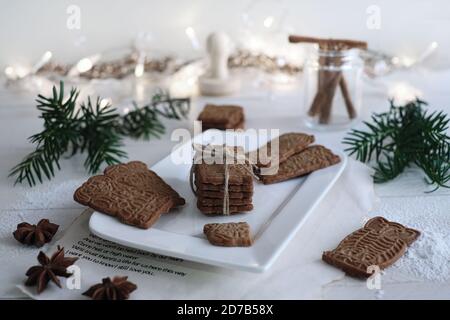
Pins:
x,y
264,109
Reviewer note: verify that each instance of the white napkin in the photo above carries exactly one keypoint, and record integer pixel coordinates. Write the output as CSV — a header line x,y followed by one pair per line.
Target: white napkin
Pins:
x,y
299,272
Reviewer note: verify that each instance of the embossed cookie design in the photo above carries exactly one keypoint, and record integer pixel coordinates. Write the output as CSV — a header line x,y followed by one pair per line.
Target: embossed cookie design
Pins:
x,y
288,145
130,192
311,159
378,244
233,234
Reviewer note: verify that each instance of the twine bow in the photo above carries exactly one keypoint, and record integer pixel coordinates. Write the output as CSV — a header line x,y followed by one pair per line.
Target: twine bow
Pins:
x,y
230,155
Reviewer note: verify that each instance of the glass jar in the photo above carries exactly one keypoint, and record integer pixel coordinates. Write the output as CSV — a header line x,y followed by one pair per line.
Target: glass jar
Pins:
x,y
333,88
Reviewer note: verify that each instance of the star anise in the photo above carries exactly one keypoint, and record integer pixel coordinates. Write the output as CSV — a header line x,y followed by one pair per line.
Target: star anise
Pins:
x,y
49,269
36,235
117,289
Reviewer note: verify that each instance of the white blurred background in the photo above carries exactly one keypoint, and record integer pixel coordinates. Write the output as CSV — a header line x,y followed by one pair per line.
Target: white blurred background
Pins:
x,y
29,28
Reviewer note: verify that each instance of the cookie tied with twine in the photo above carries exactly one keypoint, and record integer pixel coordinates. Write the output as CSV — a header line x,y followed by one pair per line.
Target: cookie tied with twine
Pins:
x,y
221,166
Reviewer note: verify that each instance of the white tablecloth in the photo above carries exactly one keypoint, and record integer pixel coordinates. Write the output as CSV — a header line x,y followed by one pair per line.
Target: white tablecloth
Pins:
x,y
264,109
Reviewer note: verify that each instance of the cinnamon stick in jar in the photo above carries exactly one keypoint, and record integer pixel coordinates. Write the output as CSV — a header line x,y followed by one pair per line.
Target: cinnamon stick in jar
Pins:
x,y
333,79
329,77
320,95
347,99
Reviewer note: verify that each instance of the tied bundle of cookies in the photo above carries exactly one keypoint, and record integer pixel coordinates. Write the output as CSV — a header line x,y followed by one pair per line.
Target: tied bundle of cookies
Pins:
x,y
291,155
223,180
222,117
130,192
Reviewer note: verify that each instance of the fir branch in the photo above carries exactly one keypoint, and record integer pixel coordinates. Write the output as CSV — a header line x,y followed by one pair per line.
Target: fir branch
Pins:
x,y
39,163
168,107
436,166
59,131
144,122
403,136
98,135
92,129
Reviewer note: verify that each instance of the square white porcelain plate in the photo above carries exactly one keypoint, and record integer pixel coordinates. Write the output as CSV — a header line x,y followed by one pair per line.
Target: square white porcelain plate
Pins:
x,y
279,212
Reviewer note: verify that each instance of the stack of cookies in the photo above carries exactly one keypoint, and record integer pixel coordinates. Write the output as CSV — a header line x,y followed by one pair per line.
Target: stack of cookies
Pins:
x,y
210,185
222,117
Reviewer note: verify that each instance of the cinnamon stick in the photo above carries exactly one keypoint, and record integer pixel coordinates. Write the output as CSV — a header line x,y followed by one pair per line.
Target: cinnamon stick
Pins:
x,y
328,80
327,43
329,91
317,102
347,99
